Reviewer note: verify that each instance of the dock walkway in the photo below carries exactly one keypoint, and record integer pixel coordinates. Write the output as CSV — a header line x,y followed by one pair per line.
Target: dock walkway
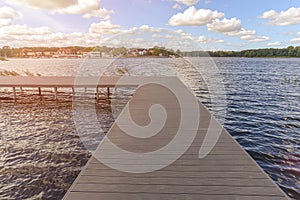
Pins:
x,y
227,172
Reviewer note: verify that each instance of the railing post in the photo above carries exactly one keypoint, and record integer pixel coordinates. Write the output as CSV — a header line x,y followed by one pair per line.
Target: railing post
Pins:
x,y
55,93
15,95
73,91
97,93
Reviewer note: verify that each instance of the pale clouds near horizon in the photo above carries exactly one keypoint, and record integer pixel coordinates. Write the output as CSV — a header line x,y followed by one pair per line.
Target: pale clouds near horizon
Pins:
x,y
212,28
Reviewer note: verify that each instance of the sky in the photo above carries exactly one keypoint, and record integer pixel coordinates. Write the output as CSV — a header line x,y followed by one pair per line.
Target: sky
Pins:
x,y
197,24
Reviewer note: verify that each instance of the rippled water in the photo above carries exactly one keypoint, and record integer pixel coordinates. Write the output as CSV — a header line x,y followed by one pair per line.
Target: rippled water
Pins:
x,y
41,153
263,114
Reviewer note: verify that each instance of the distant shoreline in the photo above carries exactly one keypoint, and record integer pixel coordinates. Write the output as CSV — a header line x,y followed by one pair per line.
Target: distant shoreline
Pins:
x,y
140,57
154,52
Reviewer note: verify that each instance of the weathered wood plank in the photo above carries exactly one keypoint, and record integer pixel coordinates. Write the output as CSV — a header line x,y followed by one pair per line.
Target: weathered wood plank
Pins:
x,y
143,196
175,189
190,168
179,174
175,181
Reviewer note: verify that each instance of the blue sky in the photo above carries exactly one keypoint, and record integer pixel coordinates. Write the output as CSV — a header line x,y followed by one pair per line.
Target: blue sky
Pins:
x,y
211,24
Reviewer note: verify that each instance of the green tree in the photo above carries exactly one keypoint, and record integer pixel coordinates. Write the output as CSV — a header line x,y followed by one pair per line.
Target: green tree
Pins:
x,y
6,51
298,52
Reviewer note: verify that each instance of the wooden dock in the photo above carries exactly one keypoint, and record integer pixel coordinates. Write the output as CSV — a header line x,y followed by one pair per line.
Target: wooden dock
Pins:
x,y
19,82
227,172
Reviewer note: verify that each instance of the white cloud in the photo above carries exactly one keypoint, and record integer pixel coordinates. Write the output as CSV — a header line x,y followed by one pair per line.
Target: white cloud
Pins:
x,y
179,39
24,30
254,38
23,35
188,2
100,13
233,27
295,40
260,39
230,27
143,36
146,28
204,40
176,6
7,15
86,8
156,32
274,44
104,27
5,22
194,17
283,18
48,4
268,14
225,25
213,41
242,32
180,35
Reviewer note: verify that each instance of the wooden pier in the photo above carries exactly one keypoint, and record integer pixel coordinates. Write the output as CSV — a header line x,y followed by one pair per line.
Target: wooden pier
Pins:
x,y
63,82
227,172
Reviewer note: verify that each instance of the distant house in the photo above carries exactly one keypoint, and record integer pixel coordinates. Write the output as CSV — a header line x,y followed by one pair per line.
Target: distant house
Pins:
x,y
94,54
133,52
63,51
142,52
31,54
28,53
137,52
48,54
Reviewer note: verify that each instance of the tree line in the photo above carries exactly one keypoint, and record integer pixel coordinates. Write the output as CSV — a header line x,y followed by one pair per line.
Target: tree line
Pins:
x,y
290,51
8,52
251,53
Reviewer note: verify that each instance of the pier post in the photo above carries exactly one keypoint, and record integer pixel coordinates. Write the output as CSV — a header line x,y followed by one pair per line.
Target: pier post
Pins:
x,y
108,92
73,91
40,92
97,93
55,93
15,95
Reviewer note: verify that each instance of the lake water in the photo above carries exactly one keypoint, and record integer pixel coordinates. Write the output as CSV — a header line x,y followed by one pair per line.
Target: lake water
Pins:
x,y
257,101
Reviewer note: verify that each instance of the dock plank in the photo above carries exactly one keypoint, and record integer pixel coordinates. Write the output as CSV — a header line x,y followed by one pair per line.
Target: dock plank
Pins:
x,y
228,172
139,196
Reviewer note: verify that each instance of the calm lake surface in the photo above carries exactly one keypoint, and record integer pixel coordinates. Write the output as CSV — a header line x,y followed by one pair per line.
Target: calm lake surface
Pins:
x,y
257,101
